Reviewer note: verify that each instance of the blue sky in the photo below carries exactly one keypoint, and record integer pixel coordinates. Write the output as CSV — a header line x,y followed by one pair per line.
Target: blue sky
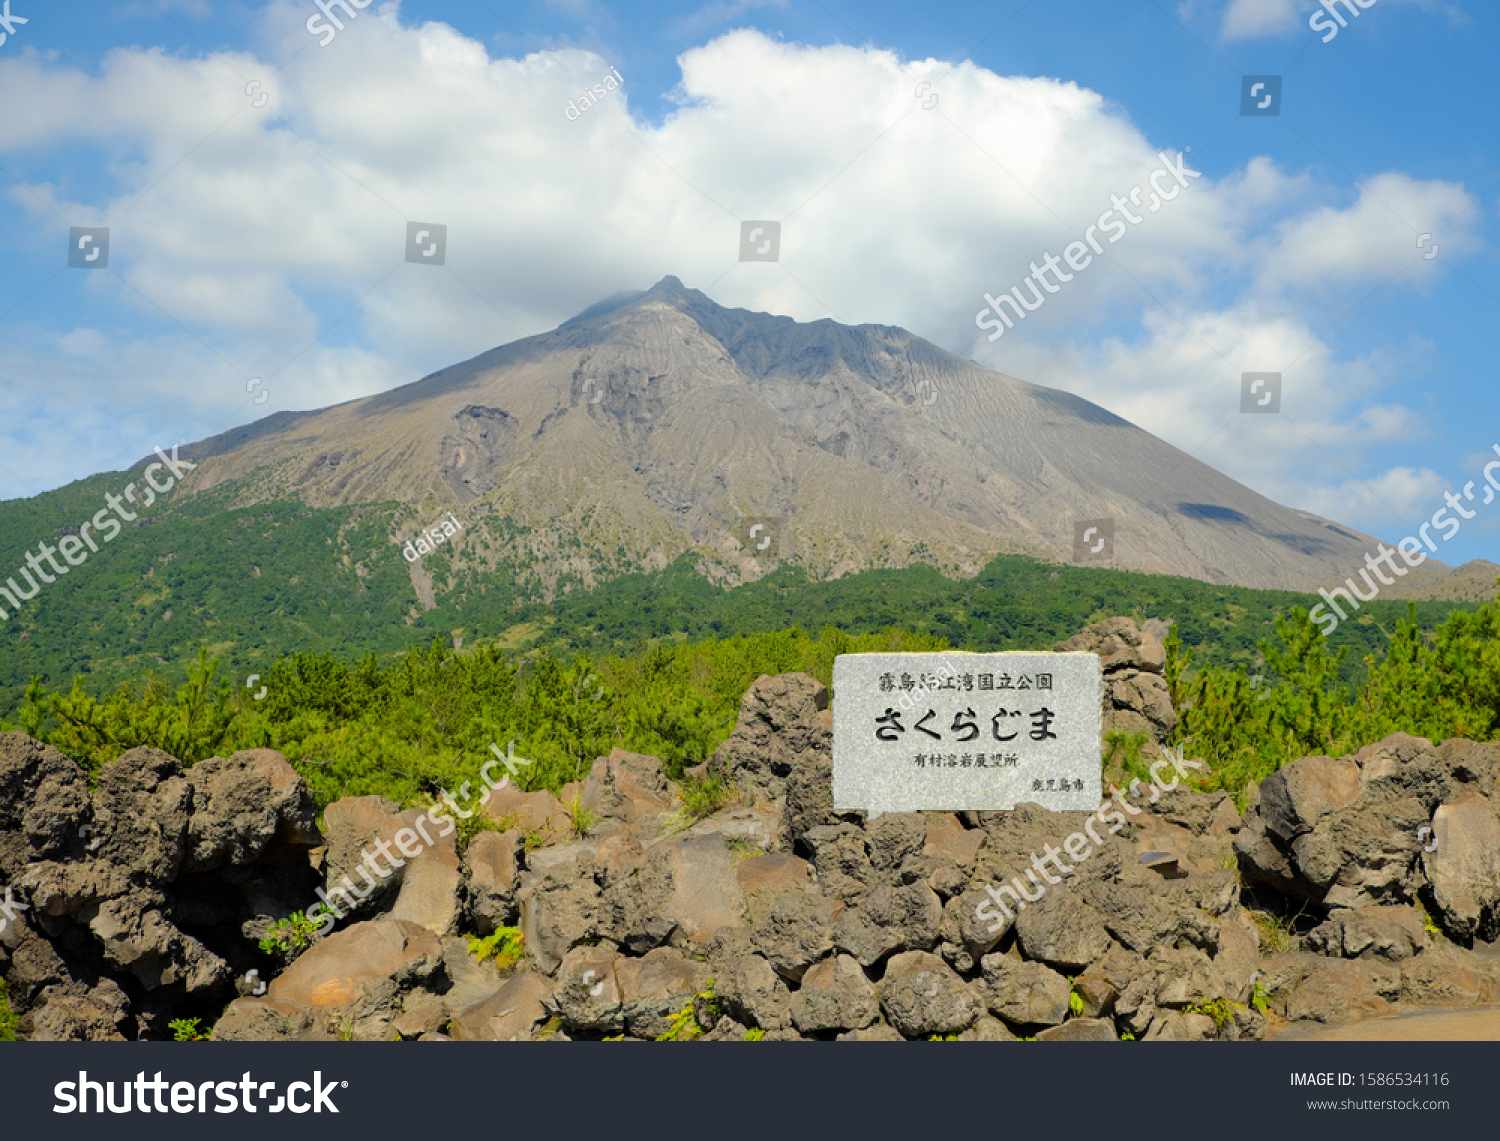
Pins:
x,y
257,240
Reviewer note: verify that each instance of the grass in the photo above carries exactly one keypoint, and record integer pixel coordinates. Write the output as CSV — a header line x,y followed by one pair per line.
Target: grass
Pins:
x,y
703,796
1260,998
685,1026
480,821
534,838
742,848
506,945
580,819
1277,932
1125,757
1429,924
1221,1010
8,1018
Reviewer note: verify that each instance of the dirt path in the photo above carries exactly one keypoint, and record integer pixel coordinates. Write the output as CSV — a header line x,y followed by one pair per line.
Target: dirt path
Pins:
x,y
1476,1024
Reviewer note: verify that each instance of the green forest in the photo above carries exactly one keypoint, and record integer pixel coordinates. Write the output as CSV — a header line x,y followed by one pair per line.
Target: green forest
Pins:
x,y
257,584
411,727
207,628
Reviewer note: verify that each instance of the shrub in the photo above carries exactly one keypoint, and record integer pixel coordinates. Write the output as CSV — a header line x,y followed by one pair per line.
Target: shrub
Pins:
x,y
506,945
290,936
186,1030
580,819
8,1019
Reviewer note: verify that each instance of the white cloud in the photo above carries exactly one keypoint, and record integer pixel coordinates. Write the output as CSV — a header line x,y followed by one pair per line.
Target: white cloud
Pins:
x,y
1250,19
1244,19
274,236
718,13
1404,497
1376,237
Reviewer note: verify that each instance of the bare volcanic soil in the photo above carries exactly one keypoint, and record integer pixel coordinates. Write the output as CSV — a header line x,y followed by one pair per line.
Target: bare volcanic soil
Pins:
x,y
143,900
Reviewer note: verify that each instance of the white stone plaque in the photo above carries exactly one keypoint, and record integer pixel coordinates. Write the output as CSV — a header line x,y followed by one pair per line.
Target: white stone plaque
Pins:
x,y
954,731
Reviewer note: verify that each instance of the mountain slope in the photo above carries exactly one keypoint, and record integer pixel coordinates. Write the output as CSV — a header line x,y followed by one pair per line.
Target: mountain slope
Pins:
x,y
658,423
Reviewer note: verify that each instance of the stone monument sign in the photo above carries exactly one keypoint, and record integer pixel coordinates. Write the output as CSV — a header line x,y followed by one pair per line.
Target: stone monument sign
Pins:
x,y
954,731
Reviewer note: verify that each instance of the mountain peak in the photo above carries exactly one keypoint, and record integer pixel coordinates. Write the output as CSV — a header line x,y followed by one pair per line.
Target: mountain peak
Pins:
x,y
669,289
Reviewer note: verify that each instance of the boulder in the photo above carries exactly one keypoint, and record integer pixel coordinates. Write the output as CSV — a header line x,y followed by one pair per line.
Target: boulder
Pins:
x,y
987,1028
1180,1026
493,865
1025,994
893,840
420,1014
341,970
685,889
655,987
1080,1030
921,996
1465,869
879,1032
351,826
948,855
1097,994
627,787
539,812
261,1020
513,1013
1448,977
44,801
1399,821
1135,697
835,995
1337,989
1296,797
1063,932
1390,933
560,904
970,933
1120,644
778,728
431,892
808,799
66,1014
243,802
841,860
587,993
793,930
1185,976
890,919
136,936
773,874
142,807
